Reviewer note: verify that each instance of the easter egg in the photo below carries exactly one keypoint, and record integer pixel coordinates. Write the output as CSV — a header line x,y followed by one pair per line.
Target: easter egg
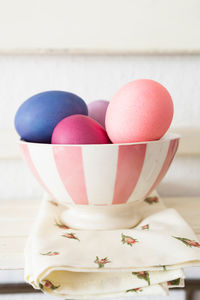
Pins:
x,y
97,111
141,110
79,129
37,117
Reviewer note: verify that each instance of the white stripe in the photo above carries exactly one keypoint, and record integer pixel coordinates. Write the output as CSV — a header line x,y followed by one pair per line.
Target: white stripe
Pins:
x,y
44,162
154,158
100,173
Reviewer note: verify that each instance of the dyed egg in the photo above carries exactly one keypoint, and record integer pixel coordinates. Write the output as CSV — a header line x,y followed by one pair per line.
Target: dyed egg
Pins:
x,y
79,129
97,111
37,117
141,110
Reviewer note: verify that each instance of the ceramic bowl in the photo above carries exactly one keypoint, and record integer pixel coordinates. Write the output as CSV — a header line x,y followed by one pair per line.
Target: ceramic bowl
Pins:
x,y
97,178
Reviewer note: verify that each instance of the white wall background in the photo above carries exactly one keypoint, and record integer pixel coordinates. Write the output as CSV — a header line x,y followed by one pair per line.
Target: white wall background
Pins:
x,y
92,26
98,77
100,26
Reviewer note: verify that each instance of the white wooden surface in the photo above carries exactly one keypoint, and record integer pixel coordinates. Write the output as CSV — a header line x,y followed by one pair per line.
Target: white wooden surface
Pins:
x,y
17,217
100,26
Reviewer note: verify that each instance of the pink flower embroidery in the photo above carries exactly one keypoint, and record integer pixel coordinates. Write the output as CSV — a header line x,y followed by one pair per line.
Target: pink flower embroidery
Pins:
x,y
145,227
188,242
50,253
61,225
128,240
151,200
101,262
193,243
49,285
71,236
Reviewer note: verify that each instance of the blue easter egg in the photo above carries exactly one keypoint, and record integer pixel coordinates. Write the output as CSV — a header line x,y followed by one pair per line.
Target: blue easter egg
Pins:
x,y
37,117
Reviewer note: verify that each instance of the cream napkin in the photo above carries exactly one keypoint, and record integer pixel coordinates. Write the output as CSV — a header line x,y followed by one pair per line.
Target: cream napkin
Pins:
x,y
146,260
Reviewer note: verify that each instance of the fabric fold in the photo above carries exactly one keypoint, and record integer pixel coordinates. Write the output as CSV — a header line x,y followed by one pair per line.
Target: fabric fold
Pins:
x,y
80,264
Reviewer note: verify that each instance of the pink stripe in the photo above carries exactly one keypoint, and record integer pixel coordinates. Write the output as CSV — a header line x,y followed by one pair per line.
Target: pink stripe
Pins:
x,y
170,155
69,164
129,166
27,156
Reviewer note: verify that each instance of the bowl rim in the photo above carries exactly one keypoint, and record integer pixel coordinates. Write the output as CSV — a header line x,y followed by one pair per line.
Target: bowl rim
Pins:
x,y
167,137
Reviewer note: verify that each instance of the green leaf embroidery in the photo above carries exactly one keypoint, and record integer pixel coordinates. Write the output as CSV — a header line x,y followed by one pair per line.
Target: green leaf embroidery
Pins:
x,y
143,275
164,267
174,282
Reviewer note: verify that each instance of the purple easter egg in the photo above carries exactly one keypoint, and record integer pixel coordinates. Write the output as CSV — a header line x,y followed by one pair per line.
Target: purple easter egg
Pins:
x,y
97,111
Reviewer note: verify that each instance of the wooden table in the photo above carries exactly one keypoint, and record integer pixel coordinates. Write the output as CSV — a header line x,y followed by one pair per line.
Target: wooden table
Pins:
x,y
17,217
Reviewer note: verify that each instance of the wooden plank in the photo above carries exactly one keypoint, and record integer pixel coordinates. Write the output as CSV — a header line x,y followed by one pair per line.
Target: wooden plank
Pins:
x,y
93,26
12,244
12,252
17,217
24,204
11,227
16,227
14,261
189,143
189,208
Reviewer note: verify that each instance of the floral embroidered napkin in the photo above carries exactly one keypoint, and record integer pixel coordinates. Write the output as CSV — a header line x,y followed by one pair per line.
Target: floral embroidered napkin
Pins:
x,y
80,264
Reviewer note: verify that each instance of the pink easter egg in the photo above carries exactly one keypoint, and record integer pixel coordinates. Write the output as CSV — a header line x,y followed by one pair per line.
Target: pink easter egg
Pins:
x,y
141,110
79,129
97,110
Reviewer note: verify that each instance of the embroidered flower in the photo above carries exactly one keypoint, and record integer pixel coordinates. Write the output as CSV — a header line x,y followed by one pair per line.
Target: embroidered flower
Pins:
x,y
71,236
61,225
188,242
134,290
151,200
142,275
101,262
145,227
174,282
48,285
50,253
128,240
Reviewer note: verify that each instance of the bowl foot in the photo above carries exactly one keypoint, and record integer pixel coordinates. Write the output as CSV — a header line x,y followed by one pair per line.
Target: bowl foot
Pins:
x,y
110,217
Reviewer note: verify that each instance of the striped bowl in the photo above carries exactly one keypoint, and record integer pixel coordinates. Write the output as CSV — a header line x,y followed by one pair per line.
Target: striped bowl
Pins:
x,y
100,174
